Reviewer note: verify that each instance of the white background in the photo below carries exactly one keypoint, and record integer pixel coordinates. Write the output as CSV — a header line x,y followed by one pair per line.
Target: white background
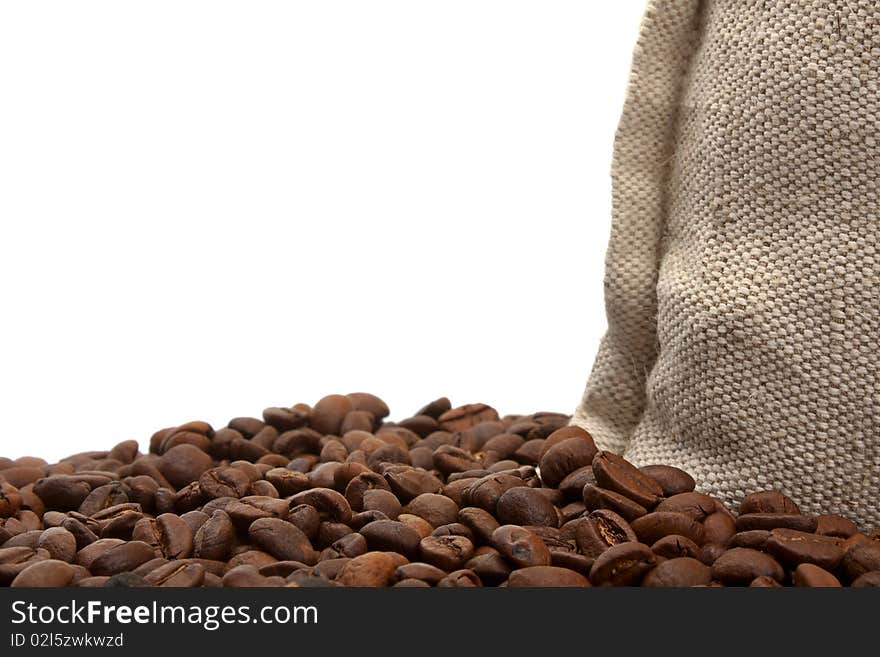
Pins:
x,y
207,208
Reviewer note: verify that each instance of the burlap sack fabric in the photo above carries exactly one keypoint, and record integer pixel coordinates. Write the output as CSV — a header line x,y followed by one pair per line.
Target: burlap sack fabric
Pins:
x,y
742,271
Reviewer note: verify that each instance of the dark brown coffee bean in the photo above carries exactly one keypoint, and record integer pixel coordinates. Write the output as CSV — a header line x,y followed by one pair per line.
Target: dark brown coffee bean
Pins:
x,y
177,574
624,564
327,415
10,500
504,445
674,546
601,498
357,421
600,530
776,521
866,580
104,497
382,500
467,416
246,556
768,501
547,576
654,526
392,536
834,525
420,571
59,543
245,576
62,492
680,571
215,537
710,552
329,532
448,459
412,482
143,490
567,558
490,567
183,464
565,457
371,569
168,535
718,527
127,556
755,539
860,558
696,505
765,582
520,546
530,452
282,540
333,451
49,573
526,506
486,491
619,475
436,509
22,475
572,486
446,552
808,574
360,484
435,408
351,545
306,518
463,578
480,522
25,539
224,482
792,547
364,401
672,480
285,419
328,502
742,565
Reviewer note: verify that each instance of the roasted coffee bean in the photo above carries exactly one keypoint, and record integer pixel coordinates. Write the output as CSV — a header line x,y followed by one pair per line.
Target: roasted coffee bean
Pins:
x,y
696,505
765,582
59,543
480,522
860,558
654,526
530,452
62,492
808,574
719,527
420,571
446,552
10,500
327,415
463,578
674,546
776,521
360,484
565,457
467,416
47,574
214,539
613,472
710,552
282,540
680,571
126,556
520,546
792,547
742,565
183,464
486,491
490,567
770,501
104,497
371,569
384,501
454,529
351,545
328,502
572,487
600,530
601,498
866,580
435,509
547,576
392,536
624,564
834,525
412,482
177,574
224,482
526,506
285,419
755,539
672,480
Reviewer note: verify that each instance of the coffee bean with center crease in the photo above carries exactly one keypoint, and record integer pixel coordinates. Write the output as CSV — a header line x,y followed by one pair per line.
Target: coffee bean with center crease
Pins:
x,y
793,547
520,546
624,564
696,505
62,492
214,539
412,482
282,540
463,578
776,521
446,552
104,497
601,498
617,474
467,416
672,480
327,501
860,558
770,501
480,522
177,574
360,484
526,506
224,482
674,546
654,526
127,556
601,530
486,491
677,572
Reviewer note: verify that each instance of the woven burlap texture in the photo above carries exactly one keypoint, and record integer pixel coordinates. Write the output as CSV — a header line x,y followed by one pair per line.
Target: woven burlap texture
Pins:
x,y
742,270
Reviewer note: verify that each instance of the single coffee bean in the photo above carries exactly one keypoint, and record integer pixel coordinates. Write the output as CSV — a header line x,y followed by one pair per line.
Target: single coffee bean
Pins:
x,y
224,482
696,505
454,529
329,503
599,531
834,525
710,552
742,565
382,500
351,545
47,574
617,474
62,492
808,574
463,578
520,546
392,536
719,527
490,567
547,576
680,571
486,491
624,564
282,540
285,419
59,543
434,508
866,580
420,571
526,506
104,497
530,452
480,522
446,552
601,498
177,574
654,526
360,484
183,464
769,501
765,582
435,408
674,546
793,547
563,458
327,415
860,558
412,482
127,556
755,539
371,569
467,416
776,521
672,480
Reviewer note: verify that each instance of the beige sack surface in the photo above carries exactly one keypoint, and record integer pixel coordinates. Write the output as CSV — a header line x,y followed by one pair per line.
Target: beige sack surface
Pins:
x,y
743,270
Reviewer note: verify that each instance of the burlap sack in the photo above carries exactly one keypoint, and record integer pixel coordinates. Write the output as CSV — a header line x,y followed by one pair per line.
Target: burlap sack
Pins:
x,y
742,271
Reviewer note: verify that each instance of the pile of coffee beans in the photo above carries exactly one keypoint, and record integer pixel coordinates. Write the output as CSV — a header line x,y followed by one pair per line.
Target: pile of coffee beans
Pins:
x,y
335,495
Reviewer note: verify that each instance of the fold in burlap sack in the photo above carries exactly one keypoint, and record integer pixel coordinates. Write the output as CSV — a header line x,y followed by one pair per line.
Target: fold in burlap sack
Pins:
x,y
742,271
